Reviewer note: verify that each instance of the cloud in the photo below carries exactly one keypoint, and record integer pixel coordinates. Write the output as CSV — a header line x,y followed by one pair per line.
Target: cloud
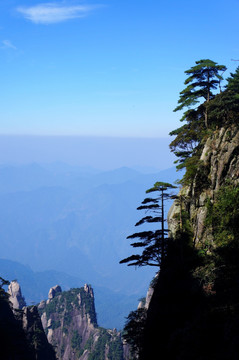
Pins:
x,y
8,45
50,13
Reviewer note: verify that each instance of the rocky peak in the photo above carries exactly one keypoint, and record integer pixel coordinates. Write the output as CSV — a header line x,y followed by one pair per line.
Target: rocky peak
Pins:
x,y
69,320
16,298
53,291
88,289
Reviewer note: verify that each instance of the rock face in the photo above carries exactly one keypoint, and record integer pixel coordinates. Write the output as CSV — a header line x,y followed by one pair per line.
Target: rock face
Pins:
x,y
54,291
32,326
145,304
188,316
219,163
16,298
21,332
69,320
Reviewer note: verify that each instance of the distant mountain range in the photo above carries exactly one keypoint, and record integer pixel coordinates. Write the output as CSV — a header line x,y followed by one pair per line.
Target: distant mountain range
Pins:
x,y
111,307
74,221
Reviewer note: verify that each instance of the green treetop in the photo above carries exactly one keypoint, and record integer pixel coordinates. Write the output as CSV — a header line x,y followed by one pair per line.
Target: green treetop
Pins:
x,y
225,106
203,78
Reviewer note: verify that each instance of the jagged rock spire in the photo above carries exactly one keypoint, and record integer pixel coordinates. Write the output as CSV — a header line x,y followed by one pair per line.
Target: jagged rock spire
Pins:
x,y
53,291
16,298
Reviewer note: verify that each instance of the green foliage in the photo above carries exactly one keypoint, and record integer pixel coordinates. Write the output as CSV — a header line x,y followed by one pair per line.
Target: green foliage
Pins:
x,y
36,340
99,351
194,311
65,303
224,108
188,136
55,324
89,306
76,340
89,343
201,176
161,186
116,349
203,78
191,165
67,319
134,330
65,329
51,308
223,215
217,111
3,294
104,342
62,350
154,242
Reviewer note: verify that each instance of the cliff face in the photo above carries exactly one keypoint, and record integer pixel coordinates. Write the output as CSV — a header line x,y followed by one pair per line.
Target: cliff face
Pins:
x,y
194,312
21,332
219,163
15,295
32,326
69,320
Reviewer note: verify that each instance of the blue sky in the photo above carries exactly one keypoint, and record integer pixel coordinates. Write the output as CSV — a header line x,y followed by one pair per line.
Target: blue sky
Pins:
x,y
106,67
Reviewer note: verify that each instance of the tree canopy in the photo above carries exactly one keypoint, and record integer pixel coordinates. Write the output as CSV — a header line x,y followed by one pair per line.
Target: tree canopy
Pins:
x,y
203,79
225,106
153,241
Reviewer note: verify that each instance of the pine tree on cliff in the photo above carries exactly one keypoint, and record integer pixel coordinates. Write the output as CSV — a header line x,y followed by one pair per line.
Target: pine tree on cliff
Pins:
x,y
154,242
224,108
203,78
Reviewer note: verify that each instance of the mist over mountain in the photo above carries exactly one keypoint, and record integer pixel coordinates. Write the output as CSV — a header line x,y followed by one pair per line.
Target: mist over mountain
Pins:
x,y
75,221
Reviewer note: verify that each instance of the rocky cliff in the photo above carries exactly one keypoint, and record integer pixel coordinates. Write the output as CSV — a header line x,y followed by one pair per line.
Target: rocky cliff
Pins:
x,y
70,322
15,295
194,312
21,332
218,165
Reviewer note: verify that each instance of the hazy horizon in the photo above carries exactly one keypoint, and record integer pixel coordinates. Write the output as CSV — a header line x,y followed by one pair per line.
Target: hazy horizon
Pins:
x,y
103,153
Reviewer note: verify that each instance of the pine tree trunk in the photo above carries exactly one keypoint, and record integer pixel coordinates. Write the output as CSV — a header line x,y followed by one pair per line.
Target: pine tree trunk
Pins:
x,y
162,204
181,215
206,118
208,99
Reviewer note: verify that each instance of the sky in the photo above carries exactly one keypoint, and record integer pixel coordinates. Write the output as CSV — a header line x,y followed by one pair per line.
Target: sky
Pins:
x,y
106,68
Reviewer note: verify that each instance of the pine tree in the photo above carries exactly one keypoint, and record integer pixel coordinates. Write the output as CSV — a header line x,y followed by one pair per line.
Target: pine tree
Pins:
x,y
203,78
225,106
154,242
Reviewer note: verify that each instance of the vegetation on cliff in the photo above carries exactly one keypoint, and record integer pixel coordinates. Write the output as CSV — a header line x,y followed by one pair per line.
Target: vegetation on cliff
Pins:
x,y
70,322
194,311
220,110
